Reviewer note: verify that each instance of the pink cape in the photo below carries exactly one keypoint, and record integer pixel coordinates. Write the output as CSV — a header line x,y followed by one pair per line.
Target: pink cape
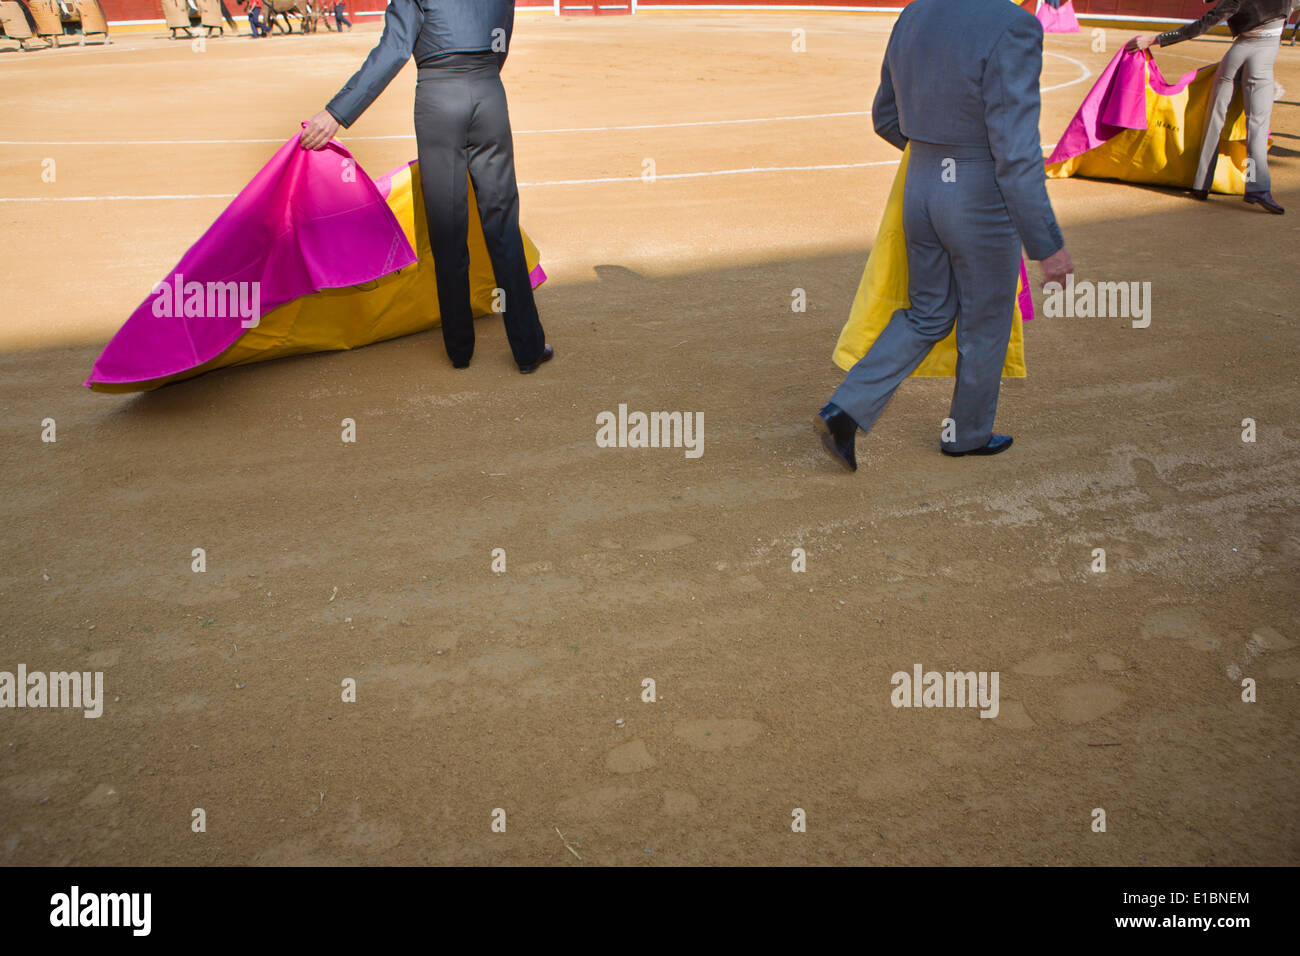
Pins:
x,y
309,220
1116,102
1026,297
1061,20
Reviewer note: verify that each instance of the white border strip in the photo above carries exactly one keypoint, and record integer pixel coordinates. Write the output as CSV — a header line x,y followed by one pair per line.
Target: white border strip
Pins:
x,y
711,172
115,198
553,182
518,132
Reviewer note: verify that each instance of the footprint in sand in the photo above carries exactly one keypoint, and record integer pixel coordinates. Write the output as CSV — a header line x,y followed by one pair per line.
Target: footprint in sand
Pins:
x,y
594,803
102,660
667,542
104,795
188,703
1107,662
376,835
1262,641
717,734
1180,624
1084,702
630,757
1157,490
1012,716
679,804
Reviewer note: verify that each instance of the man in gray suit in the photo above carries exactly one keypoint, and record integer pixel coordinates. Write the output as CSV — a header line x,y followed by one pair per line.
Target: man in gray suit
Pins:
x,y
462,129
960,85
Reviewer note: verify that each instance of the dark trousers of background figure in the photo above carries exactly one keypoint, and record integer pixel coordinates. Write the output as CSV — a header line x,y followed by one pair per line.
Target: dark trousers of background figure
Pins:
x,y
462,127
255,22
963,260
340,16
1252,59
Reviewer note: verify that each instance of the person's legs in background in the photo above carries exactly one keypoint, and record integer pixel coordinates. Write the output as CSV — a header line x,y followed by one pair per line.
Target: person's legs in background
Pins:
x,y
1257,99
443,107
1220,96
492,169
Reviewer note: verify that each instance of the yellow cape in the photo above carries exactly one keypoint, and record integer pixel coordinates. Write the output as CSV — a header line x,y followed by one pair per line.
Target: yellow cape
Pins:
x,y
883,290
394,305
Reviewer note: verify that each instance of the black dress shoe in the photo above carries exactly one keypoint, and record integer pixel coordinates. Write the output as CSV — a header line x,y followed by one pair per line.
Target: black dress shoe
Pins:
x,y
460,364
839,433
996,445
1266,200
548,353
1201,194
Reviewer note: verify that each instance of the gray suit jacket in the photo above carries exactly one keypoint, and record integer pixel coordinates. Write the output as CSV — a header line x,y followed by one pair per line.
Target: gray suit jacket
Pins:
x,y
965,73
427,30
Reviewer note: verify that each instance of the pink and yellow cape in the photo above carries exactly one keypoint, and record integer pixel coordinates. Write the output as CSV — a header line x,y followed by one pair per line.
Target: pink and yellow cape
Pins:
x,y
1137,127
337,260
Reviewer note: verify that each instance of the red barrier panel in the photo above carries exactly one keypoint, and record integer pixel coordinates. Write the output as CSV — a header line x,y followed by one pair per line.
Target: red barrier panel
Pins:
x,y
120,11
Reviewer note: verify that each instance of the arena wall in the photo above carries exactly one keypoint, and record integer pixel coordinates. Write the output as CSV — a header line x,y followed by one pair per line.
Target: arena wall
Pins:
x,y
149,12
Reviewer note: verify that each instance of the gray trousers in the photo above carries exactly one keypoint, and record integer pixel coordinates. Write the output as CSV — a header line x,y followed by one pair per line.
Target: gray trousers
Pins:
x,y
963,258
1252,59
462,127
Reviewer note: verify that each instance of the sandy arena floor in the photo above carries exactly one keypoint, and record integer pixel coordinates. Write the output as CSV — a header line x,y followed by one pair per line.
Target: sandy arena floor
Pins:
x,y
522,690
